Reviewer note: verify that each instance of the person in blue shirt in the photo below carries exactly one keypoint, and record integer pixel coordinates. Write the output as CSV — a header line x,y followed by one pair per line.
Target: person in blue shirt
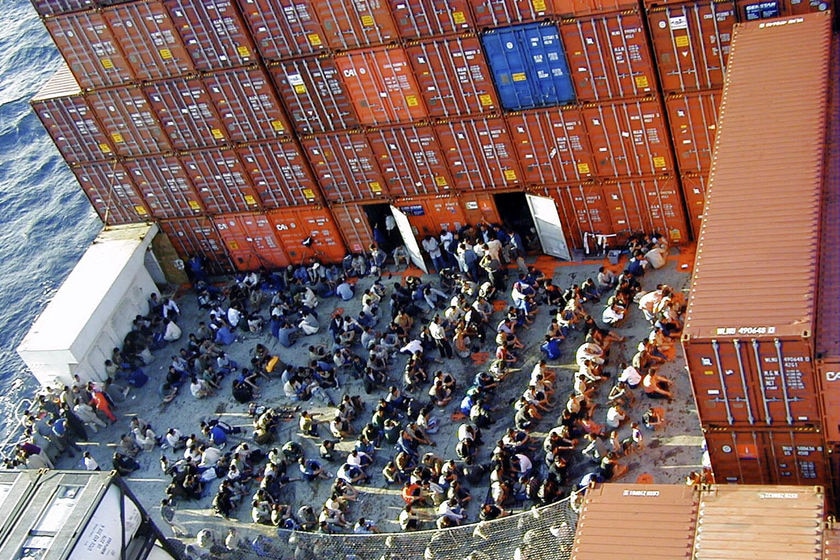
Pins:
x,y
551,347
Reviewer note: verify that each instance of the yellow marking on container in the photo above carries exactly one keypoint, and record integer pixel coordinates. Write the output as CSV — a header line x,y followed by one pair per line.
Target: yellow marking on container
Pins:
x,y
250,200
659,161
300,88
510,175
485,100
681,40
642,82
217,134
243,51
117,138
315,40
368,21
105,148
375,187
519,77
165,54
539,5
107,63
194,205
676,235
459,18
583,168
440,181
277,126
411,100
308,194
233,245
140,211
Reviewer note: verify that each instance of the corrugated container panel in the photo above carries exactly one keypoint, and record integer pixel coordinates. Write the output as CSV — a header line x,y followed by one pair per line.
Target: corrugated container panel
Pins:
x,y
165,186
479,207
111,192
453,76
354,226
245,100
197,236
345,166
295,225
750,10
583,210
665,514
609,56
251,241
552,145
779,521
828,373
90,49
529,66
428,215
691,42
213,33
149,39
576,8
69,120
763,98
629,138
129,121
381,86
186,112
279,173
410,160
831,541
220,180
314,94
58,7
647,204
348,25
497,13
693,121
419,19
284,28
694,194
480,153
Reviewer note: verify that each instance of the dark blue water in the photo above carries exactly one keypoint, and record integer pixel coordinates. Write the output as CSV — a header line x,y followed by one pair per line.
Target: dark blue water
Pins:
x,y
46,223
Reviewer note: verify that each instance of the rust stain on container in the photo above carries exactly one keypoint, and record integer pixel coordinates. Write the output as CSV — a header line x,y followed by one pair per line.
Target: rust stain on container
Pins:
x,y
418,19
284,28
279,173
345,166
410,160
111,192
693,121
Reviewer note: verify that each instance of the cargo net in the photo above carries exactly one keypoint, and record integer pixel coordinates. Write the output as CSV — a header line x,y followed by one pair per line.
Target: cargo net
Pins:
x,y
545,533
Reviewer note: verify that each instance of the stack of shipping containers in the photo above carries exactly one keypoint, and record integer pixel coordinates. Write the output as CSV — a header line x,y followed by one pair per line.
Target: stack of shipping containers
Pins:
x,y
245,126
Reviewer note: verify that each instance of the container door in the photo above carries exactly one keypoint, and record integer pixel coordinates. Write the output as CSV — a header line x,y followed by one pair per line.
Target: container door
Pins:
x,y
547,223
411,245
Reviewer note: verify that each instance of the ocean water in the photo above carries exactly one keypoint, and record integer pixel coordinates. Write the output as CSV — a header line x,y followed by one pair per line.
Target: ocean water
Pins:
x,y
46,223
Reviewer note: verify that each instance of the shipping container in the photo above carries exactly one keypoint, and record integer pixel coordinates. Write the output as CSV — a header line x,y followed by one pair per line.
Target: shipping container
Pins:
x,y
295,225
429,215
479,207
583,212
314,95
410,160
552,145
609,56
480,153
149,39
694,194
284,28
577,8
58,7
693,121
129,121
750,10
629,138
381,86
529,66
279,173
69,120
345,166
797,7
251,241
165,186
498,13
420,19
212,32
360,23
198,237
354,226
453,76
647,204
220,180
111,192
90,49
186,113
245,101
768,457
691,43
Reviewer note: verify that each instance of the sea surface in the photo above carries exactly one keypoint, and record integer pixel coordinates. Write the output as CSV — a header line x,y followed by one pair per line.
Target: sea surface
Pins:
x,y
46,222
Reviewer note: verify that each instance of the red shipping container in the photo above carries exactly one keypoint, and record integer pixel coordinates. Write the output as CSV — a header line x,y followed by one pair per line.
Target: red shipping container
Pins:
x,y
453,76
694,193
552,145
410,160
279,173
251,241
220,180
129,121
691,42
381,86
315,97
828,373
499,13
284,28
244,99
165,186
609,56
149,39
197,237
295,225
429,215
418,19
352,222
693,120
348,25
576,8
345,166
58,7
583,210
629,138
111,192
480,153
90,49
186,112
479,207
648,204
768,457
213,33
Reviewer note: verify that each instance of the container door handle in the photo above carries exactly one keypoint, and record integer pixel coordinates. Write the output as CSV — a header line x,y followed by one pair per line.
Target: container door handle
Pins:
x,y
716,347
778,344
747,399
761,382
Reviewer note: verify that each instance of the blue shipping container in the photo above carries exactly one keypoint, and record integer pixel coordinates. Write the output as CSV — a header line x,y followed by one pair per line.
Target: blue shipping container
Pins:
x,y
529,66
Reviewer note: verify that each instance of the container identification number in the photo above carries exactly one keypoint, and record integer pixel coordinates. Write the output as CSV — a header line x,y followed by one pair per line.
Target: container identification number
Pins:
x,y
745,330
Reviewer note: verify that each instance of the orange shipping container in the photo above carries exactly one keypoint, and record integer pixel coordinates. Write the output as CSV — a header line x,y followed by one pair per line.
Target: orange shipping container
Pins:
x,y
345,166
576,8
129,121
480,153
279,173
418,19
348,25
693,121
428,215
381,86
694,193
186,113
220,180
294,225
410,160
648,204
165,186
583,210
499,13
353,225
197,237
251,241
111,192
479,207
284,28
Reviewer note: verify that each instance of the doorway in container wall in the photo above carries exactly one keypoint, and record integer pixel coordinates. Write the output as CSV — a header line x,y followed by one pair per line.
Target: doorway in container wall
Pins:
x,y
536,220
